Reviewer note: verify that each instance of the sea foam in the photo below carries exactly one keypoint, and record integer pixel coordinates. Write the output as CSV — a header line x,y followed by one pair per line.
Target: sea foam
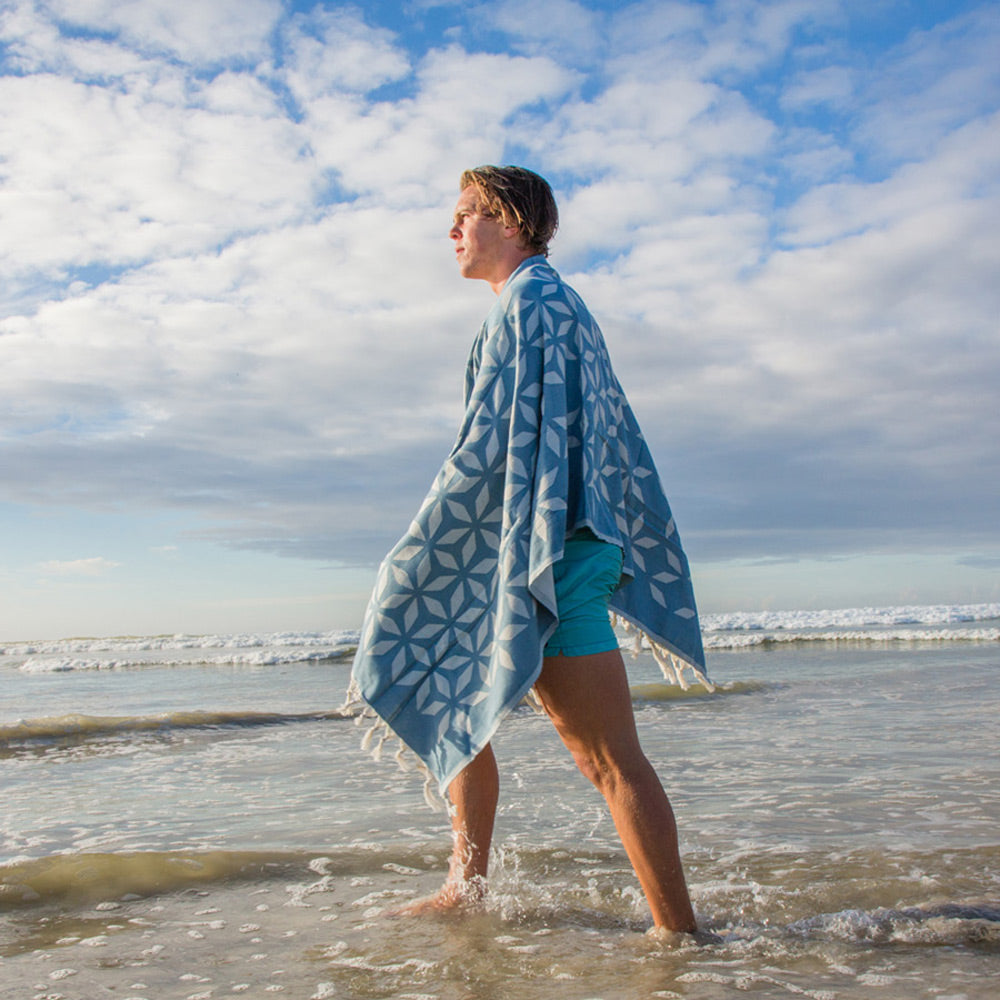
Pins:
x,y
728,630
851,618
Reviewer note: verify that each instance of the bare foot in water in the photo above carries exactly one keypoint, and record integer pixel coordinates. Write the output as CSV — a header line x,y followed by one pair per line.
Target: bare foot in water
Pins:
x,y
452,896
699,936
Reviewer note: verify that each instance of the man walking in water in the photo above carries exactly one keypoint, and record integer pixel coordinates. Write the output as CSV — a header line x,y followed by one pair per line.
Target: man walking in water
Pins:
x,y
547,513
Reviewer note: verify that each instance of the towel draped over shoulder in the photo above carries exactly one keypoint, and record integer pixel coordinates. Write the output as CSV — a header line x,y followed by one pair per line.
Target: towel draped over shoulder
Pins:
x,y
463,604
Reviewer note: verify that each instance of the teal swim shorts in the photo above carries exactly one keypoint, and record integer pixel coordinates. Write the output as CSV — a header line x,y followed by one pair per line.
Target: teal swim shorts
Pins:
x,y
585,578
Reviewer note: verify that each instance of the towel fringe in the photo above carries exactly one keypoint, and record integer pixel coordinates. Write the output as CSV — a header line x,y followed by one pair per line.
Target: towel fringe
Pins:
x,y
534,702
671,665
378,734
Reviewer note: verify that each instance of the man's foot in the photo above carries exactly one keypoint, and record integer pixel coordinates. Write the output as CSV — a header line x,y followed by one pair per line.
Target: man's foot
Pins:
x,y
700,936
450,897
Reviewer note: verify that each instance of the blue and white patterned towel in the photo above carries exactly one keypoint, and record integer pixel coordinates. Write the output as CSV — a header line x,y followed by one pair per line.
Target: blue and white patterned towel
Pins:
x,y
463,605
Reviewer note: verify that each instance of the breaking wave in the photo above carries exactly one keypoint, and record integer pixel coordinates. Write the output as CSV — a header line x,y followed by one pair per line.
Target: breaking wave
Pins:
x,y
68,730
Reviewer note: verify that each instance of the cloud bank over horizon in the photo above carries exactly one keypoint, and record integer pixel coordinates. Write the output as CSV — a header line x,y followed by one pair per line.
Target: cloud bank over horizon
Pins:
x,y
230,319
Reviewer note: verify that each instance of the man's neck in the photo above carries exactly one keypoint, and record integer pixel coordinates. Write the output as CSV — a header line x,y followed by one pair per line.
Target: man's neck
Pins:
x,y
515,262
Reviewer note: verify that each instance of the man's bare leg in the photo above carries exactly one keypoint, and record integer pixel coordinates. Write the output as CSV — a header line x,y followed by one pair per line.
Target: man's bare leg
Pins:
x,y
588,700
474,794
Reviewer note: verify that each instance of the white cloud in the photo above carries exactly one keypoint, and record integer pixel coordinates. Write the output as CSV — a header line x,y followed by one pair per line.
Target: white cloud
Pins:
x,y
812,157
724,41
95,566
936,81
136,177
562,29
208,32
825,85
961,167
334,50
412,151
238,93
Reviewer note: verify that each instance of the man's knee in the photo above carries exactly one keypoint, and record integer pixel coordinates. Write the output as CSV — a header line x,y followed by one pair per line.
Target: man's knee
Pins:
x,y
590,768
607,772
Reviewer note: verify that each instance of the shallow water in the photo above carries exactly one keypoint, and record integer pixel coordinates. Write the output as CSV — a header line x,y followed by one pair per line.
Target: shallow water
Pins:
x,y
559,924
838,805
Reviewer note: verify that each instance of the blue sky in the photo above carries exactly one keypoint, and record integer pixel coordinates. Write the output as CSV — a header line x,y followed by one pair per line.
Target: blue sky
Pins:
x,y
232,336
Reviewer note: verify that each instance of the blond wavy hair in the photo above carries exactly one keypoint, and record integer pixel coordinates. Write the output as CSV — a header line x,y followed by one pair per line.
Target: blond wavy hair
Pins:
x,y
520,198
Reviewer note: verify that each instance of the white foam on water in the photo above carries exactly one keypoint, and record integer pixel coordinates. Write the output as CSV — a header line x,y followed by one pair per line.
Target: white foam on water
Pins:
x,y
931,614
334,639
759,637
259,658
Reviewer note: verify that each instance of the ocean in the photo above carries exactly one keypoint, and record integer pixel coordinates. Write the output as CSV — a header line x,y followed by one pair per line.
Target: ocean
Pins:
x,y
192,817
